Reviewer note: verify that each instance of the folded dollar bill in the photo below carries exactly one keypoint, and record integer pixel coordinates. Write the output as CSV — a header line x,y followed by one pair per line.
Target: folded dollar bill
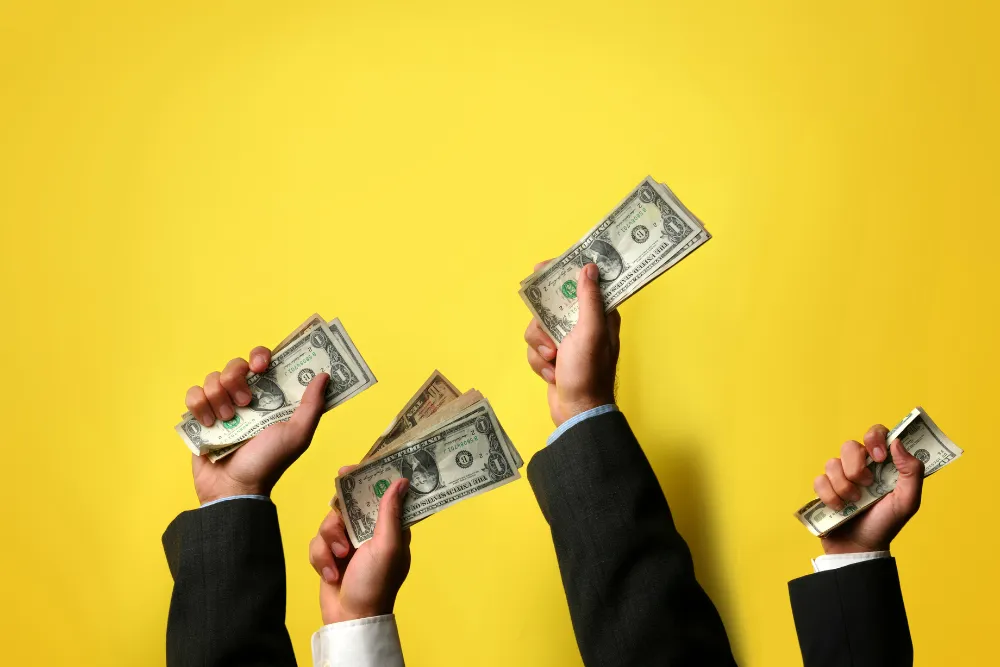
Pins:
x,y
314,347
449,453
645,235
921,437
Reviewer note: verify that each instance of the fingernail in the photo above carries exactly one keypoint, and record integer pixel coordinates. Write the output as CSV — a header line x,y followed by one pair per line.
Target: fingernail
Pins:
x,y
207,422
339,550
242,397
546,351
855,496
878,453
226,413
329,575
548,375
591,271
259,360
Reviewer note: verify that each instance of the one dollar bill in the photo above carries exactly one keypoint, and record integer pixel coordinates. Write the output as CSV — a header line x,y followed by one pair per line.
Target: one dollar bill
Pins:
x,y
921,437
647,233
315,347
434,394
463,456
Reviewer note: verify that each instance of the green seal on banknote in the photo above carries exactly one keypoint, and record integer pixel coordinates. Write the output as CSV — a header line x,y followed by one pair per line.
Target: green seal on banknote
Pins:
x,y
381,487
569,289
232,423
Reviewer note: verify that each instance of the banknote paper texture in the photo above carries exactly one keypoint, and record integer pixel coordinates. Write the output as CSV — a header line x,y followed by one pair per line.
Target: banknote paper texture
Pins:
x,y
647,233
435,393
921,437
464,454
315,347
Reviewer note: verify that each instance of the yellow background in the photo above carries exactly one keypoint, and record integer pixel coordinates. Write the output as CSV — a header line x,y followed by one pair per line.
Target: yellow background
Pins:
x,y
182,181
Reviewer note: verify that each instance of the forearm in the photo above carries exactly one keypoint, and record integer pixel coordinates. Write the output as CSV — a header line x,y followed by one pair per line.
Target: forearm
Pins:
x,y
852,616
628,574
228,603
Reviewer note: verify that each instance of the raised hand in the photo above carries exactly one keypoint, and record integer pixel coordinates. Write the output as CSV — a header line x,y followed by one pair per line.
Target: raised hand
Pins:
x,y
255,467
581,373
874,529
362,582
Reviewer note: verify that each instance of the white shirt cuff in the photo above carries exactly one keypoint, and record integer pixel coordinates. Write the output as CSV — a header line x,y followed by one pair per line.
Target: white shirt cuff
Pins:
x,y
833,561
576,419
366,642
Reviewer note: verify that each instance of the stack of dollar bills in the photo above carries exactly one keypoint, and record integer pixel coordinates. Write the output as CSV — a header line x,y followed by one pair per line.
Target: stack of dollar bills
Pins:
x,y
315,347
449,444
921,437
646,234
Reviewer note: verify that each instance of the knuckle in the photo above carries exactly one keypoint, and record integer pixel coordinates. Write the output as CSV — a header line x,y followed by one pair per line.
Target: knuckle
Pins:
x,y
833,466
855,475
215,393
194,397
316,548
234,369
330,525
231,380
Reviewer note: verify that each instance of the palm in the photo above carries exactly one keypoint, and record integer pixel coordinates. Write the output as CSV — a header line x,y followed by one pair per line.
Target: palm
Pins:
x,y
874,529
261,460
366,575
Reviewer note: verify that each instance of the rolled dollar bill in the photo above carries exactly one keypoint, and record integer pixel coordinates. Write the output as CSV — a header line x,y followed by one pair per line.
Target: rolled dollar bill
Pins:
x,y
646,234
466,455
921,437
318,347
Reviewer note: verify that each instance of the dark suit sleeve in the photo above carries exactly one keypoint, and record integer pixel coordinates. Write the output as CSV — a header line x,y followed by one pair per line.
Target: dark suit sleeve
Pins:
x,y
628,574
852,617
228,605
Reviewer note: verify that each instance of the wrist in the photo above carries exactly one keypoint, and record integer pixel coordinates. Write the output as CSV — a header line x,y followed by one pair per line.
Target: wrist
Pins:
x,y
579,406
219,492
840,547
342,615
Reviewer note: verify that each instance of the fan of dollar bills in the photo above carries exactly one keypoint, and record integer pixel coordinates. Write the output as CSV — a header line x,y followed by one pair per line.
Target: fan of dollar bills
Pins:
x,y
645,235
450,445
315,347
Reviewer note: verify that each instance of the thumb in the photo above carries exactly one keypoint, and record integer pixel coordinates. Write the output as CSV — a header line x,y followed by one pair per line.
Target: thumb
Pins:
x,y
911,477
388,527
306,417
592,321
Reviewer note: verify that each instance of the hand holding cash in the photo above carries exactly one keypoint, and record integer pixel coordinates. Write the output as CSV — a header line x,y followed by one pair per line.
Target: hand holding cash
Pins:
x,y
645,235
450,446
270,402
876,486
269,454
582,376
247,397
363,582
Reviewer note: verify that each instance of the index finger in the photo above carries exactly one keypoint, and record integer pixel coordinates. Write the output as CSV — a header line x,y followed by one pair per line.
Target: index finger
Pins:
x,y
536,338
541,265
852,455
260,357
875,442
